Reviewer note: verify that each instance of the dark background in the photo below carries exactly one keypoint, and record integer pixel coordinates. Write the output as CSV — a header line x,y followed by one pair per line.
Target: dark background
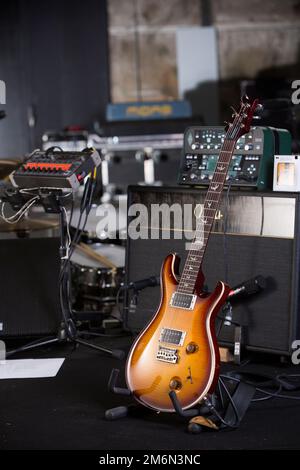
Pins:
x,y
64,81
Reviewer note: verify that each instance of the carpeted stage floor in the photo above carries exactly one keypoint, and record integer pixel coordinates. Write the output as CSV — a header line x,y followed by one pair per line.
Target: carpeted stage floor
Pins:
x,y
67,412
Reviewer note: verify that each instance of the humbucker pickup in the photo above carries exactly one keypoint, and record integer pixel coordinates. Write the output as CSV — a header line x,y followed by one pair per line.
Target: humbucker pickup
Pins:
x,y
180,300
167,335
167,355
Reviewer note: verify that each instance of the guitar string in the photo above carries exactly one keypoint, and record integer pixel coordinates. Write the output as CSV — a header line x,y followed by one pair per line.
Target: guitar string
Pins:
x,y
226,146
220,178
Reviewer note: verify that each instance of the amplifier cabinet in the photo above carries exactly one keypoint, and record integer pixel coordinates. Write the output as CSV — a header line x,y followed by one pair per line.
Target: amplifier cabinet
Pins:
x,y
29,273
255,233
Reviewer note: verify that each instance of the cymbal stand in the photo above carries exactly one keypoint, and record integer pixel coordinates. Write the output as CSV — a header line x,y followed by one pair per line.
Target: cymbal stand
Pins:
x,y
51,200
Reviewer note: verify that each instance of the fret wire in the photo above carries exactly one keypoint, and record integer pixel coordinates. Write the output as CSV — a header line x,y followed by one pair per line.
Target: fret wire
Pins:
x,y
190,273
190,270
208,216
195,254
185,277
206,201
205,231
195,260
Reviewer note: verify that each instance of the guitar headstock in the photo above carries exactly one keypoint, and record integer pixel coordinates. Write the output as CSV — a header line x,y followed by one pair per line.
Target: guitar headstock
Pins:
x,y
242,119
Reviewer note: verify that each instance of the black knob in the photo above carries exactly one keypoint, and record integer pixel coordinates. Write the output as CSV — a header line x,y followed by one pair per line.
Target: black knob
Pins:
x,y
175,383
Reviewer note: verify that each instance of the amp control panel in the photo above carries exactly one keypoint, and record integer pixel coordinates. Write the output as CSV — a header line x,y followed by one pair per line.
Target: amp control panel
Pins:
x,y
251,164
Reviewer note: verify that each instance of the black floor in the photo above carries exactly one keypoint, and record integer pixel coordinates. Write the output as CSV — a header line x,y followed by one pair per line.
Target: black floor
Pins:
x,y
67,412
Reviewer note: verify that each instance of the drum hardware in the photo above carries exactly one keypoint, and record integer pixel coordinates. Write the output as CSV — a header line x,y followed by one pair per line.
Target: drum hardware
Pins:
x,y
96,285
28,225
86,249
53,201
70,139
144,159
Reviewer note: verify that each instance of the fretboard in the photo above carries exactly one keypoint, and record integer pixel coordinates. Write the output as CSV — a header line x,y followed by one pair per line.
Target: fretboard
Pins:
x,y
205,221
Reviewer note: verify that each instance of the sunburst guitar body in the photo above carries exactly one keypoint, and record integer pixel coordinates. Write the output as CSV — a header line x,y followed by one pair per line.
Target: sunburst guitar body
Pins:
x,y
178,351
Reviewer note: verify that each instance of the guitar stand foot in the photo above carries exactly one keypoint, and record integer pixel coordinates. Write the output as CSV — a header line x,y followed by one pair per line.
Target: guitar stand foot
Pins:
x,y
112,384
183,413
116,413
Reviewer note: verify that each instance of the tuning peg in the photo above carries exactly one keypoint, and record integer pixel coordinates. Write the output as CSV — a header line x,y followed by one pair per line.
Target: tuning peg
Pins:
x,y
235,113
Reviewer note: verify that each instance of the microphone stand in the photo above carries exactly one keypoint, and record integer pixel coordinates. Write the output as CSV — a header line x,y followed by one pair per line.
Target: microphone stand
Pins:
x,y
67,332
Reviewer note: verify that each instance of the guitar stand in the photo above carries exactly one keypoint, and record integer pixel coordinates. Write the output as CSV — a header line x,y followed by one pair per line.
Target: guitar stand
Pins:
x,y
208,415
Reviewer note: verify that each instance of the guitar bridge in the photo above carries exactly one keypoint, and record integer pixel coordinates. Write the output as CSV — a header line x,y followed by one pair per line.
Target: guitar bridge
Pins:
x,y
185,301
167,355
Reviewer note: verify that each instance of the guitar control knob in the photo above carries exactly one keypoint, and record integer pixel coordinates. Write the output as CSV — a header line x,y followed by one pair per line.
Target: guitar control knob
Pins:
x,y
175,383
193,176
191,348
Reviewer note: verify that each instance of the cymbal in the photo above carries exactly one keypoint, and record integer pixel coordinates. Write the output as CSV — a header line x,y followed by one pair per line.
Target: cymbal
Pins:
x,y
7,166
30,224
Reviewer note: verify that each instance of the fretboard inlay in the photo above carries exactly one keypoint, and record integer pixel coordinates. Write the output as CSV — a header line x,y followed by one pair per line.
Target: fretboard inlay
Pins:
x,y
205,221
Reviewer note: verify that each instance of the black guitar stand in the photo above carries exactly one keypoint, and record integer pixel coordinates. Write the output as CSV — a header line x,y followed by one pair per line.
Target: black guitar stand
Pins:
x,y
51,200
220,410
216,411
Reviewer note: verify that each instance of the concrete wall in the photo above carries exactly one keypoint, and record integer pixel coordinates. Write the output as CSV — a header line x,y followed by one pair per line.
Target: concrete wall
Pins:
x,y
142,46
253,35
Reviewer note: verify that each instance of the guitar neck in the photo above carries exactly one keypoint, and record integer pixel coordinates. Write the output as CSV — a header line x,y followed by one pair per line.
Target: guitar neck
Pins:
x,y
205,221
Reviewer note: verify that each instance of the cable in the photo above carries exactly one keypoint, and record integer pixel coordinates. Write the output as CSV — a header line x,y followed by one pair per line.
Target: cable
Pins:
x,y
13,219
266,392
230,399
65,277
121,289
213,410
43,188
225,254
269,395
262,216
52,149
68,244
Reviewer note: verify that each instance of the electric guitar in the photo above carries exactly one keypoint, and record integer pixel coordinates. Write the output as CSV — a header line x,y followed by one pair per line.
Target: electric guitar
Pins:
x,y
178,350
